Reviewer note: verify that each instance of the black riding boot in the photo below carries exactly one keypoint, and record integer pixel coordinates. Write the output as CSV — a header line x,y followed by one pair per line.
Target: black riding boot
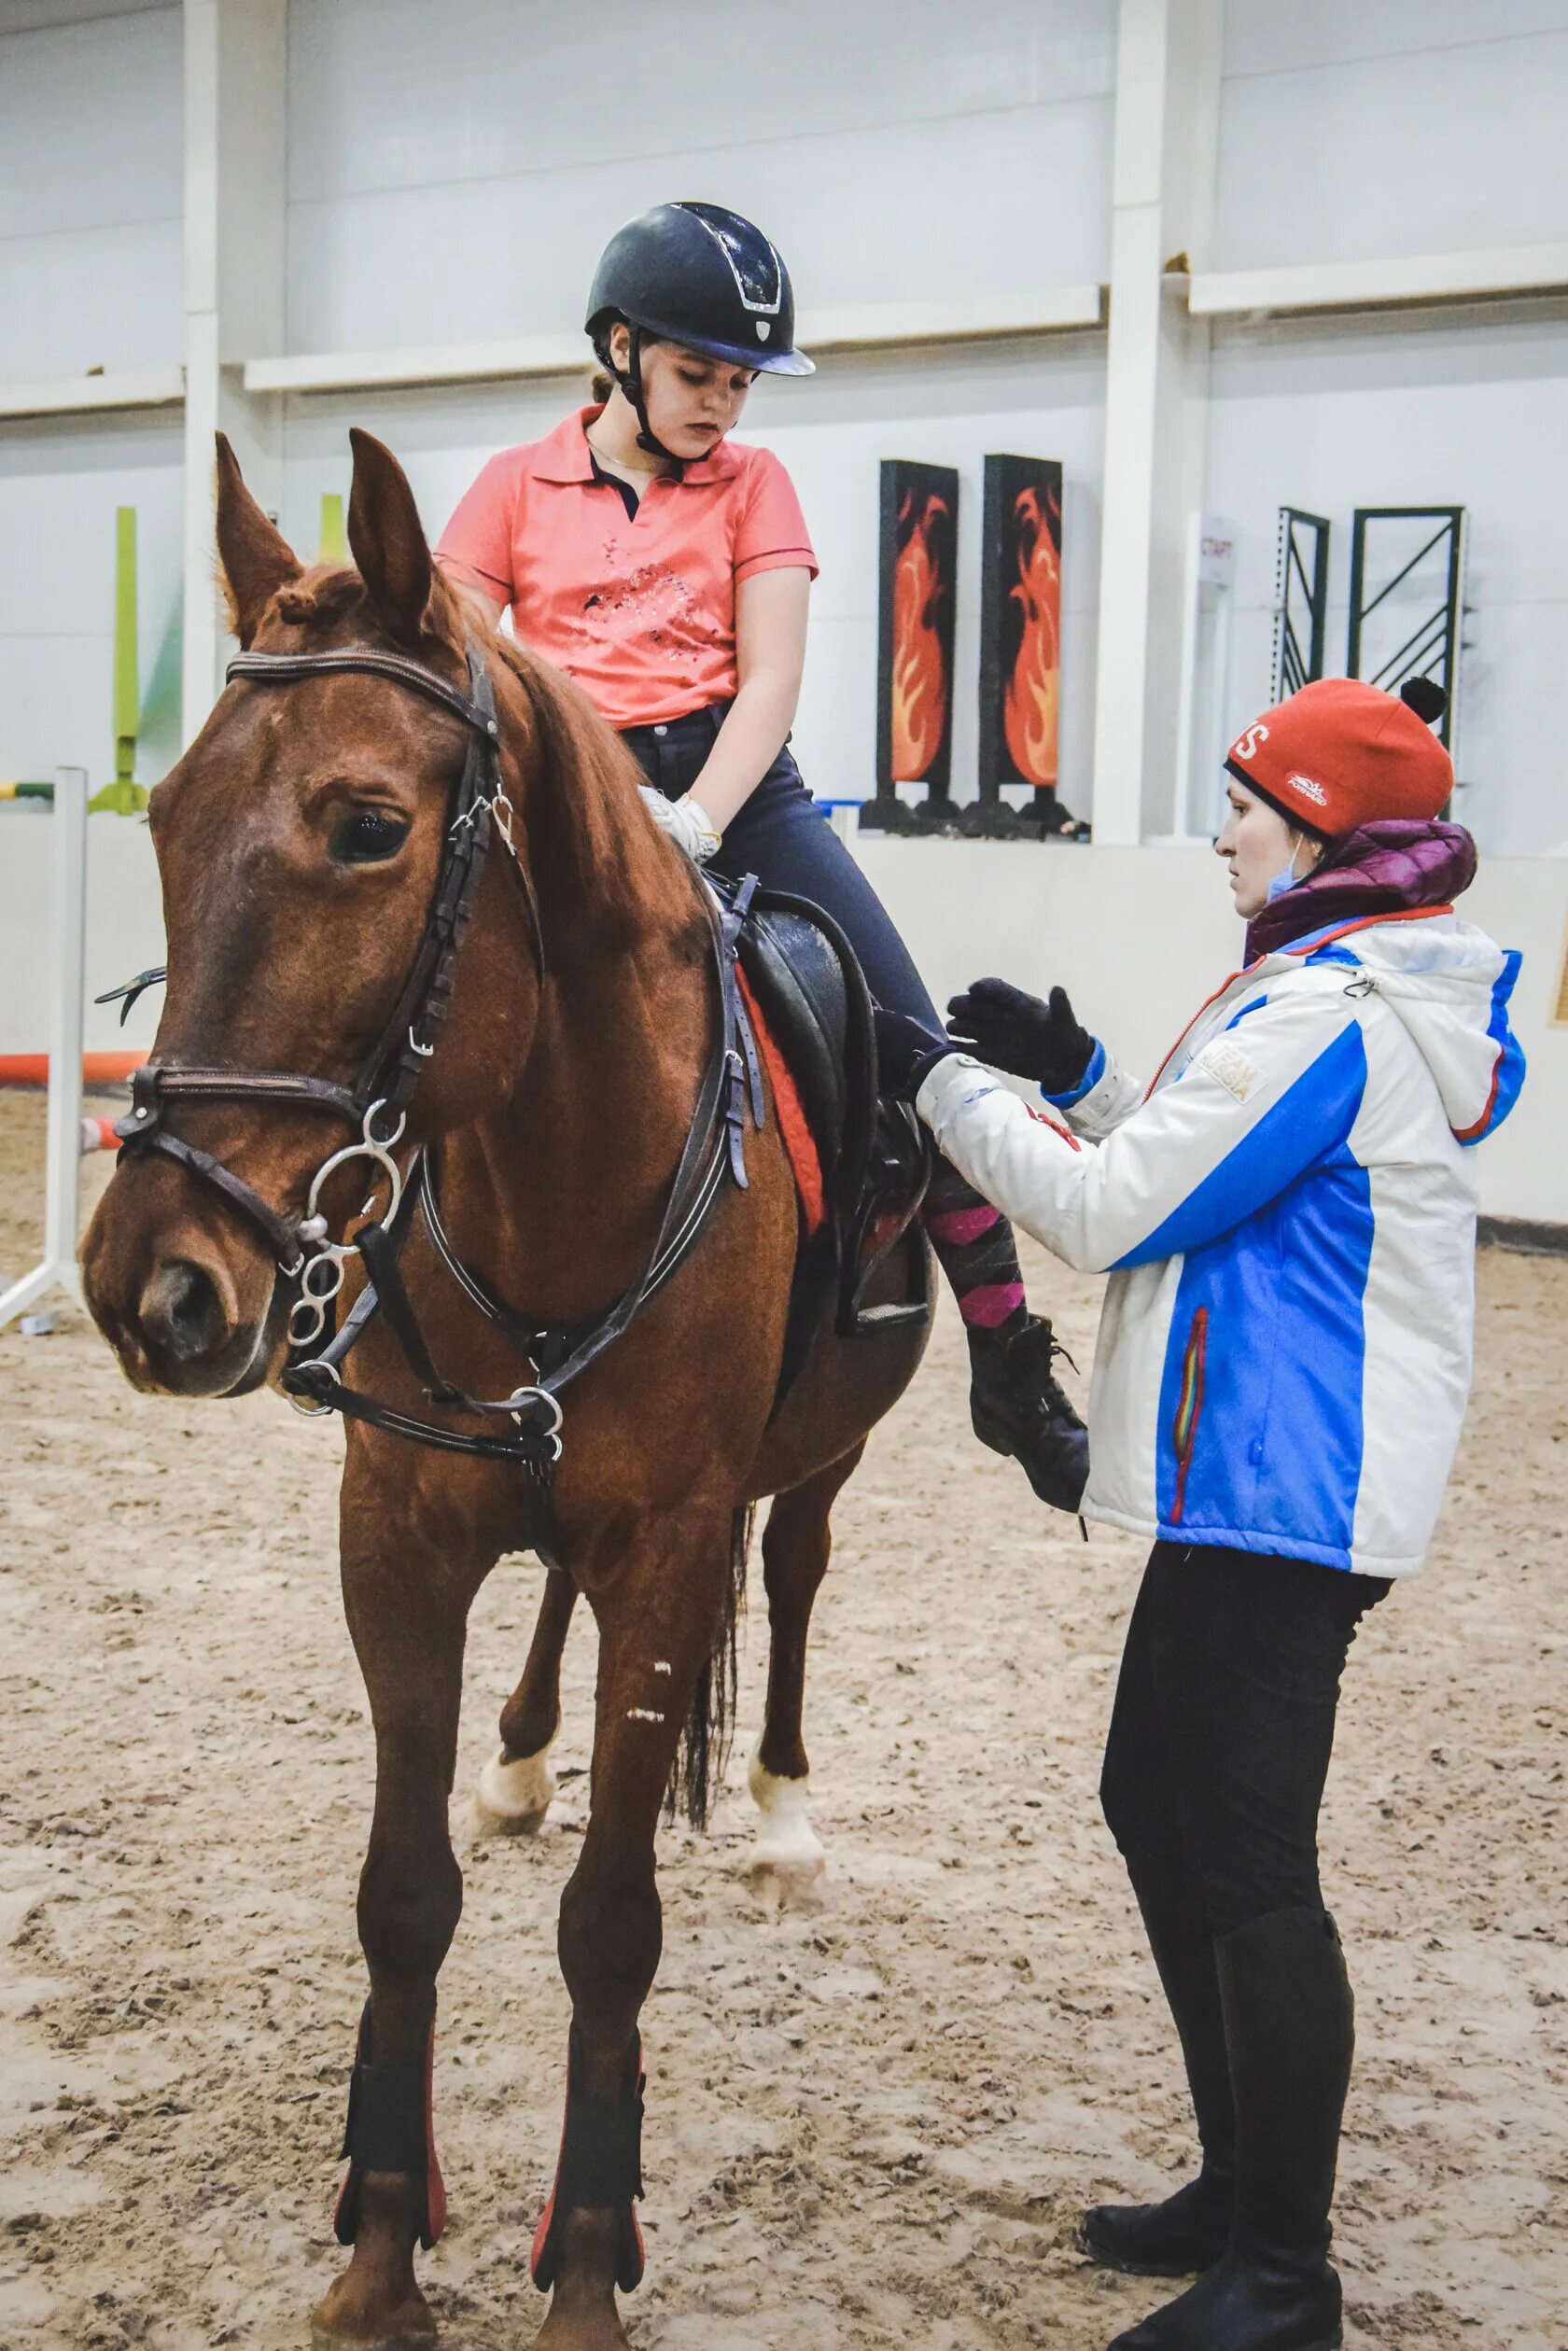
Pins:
x,y
1190,2229
1019,1406
1290,2032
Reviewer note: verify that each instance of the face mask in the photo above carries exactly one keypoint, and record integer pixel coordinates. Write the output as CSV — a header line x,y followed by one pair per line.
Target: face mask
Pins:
x,y
1287,877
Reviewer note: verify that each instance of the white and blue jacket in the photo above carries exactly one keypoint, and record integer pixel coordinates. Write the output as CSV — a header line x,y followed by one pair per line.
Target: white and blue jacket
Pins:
x,y
1288,1217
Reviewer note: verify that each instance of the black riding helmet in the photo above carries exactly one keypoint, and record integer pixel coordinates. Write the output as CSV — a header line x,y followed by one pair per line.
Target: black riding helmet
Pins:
x,y
699,276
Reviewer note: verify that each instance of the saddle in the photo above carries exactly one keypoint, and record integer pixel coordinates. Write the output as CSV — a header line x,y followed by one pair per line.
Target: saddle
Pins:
x,y
875,1155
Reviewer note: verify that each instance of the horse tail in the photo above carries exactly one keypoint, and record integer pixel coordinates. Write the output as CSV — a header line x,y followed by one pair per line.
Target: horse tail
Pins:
x,y
705,1744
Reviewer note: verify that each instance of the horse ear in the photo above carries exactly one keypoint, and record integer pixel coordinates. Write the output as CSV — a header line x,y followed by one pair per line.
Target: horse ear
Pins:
x,y
388,539
256,557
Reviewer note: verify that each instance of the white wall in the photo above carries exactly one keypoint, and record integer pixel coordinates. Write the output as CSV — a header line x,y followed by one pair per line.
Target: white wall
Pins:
x,y
1365,130
90,251
89,196
1045,396
60,484
1141,937
1343,413
1138,937
455,171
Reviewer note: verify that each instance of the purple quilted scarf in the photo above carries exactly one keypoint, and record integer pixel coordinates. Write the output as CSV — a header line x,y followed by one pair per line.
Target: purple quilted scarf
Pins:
x,y
1379,869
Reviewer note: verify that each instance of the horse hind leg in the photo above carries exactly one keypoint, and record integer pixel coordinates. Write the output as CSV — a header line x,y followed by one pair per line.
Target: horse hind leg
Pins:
x,y
517,1786
786,1865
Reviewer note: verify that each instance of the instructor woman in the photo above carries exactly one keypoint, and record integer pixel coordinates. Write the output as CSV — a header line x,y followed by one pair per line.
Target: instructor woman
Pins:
x,y
668,573
1288,1218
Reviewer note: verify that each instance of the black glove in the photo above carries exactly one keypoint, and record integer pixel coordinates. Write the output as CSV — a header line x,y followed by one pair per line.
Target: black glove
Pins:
x,y
905,1050
1014,1030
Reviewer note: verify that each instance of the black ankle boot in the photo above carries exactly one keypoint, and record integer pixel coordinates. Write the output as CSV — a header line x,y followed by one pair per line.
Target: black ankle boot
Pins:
x,y
1019,1406
1290,2033
1189,2230
1178,2237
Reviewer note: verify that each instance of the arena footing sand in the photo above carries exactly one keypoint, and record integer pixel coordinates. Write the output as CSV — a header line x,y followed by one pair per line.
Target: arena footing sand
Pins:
x,y
869,2126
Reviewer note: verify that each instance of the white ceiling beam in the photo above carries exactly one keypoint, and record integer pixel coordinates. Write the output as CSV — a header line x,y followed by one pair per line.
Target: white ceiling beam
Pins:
x,y
87,395
862,327
1502,274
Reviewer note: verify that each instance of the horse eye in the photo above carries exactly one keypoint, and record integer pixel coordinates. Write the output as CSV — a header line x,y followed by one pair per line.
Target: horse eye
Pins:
x,y
369,836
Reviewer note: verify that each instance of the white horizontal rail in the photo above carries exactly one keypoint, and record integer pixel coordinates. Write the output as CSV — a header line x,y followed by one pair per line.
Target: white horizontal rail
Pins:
x,y
1497,275
866,327
440,363
83,394
870,327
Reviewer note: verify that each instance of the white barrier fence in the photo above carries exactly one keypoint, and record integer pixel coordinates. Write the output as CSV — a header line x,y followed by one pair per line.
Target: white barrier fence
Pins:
x,y
57,1268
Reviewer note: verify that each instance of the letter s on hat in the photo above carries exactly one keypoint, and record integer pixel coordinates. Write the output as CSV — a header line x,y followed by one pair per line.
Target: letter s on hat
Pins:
x,y
1246,745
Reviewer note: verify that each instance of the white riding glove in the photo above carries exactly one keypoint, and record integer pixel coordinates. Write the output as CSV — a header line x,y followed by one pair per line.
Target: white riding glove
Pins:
x,y
686,822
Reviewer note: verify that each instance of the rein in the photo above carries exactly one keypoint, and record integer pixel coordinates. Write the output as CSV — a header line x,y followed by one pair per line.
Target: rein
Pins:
x,y
376,1101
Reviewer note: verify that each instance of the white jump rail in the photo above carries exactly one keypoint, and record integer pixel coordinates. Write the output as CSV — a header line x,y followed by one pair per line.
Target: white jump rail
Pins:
x,y
57,1268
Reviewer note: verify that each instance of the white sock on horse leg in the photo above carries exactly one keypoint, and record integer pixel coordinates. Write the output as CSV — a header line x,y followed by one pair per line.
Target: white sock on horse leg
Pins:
x,y
514,1797
788,1852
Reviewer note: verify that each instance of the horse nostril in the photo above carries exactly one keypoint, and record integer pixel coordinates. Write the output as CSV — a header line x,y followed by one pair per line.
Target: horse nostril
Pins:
x,y
181,1312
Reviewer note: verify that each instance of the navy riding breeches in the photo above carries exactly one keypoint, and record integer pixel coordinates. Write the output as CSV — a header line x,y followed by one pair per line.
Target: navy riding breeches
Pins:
x,y
784,837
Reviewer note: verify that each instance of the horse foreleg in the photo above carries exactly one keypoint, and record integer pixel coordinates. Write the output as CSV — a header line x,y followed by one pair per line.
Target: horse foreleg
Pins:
x,y
517,1786
787,1862
407,1618
657,1628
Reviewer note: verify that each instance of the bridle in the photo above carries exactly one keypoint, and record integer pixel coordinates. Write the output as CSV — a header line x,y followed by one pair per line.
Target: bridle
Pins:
x,y
387,1079
375,1102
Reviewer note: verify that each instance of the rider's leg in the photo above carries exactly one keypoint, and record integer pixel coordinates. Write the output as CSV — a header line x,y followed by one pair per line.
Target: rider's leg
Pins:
x,y
783,837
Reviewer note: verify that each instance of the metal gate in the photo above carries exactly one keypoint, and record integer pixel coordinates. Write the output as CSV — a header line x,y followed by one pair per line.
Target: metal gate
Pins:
x,y
1407,599
1300,600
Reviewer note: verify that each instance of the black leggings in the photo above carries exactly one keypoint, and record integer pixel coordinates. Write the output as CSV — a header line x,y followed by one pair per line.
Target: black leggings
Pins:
x,y
784,837
1224,1725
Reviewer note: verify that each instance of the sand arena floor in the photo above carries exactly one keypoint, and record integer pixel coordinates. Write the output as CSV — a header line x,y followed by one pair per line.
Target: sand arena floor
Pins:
x,y
869,2127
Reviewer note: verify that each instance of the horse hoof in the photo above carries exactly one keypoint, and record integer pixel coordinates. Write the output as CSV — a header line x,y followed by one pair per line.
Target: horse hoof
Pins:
x,y
596,2329
322,2341
785,1865
409,2328
513,1796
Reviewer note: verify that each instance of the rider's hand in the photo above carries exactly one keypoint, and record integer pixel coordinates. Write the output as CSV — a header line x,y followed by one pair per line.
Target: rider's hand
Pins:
x,y
1011,1029
906,1049
686,822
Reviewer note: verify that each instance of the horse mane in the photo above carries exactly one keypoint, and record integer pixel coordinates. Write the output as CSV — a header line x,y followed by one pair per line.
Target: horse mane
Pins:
x,y
615,879
588,832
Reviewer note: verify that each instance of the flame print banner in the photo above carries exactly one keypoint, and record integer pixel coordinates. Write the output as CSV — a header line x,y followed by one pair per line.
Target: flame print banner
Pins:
x,y
1020,624
914,639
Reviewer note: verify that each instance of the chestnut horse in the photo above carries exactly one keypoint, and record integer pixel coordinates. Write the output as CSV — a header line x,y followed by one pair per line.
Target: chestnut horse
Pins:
x,y
303,844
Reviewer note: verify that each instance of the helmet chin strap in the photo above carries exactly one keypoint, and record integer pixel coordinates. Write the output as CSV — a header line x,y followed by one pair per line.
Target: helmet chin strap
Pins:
x,y
630,381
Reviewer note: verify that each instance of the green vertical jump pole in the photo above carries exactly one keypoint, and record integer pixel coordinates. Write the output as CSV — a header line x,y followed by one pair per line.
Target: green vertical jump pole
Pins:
x,y
334,541
125,796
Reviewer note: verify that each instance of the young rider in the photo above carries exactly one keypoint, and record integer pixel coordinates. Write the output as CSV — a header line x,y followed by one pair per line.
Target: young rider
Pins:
x,y
1288,1216
668,572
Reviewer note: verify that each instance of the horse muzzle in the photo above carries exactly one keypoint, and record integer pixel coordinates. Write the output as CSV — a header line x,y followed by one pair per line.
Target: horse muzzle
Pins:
x,y
190,1309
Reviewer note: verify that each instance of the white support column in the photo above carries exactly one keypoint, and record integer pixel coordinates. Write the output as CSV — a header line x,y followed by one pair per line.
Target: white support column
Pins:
x,y
235,217
1167,83
57,1268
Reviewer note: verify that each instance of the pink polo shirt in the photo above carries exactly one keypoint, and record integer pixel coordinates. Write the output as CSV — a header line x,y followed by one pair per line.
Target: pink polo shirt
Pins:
x,y
641,609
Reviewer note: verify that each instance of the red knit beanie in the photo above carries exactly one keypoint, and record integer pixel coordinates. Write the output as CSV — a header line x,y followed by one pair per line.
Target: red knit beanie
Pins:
x,y
1340,754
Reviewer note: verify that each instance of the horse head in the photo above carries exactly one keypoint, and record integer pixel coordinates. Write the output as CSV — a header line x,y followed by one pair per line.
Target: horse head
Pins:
x,y
303,844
